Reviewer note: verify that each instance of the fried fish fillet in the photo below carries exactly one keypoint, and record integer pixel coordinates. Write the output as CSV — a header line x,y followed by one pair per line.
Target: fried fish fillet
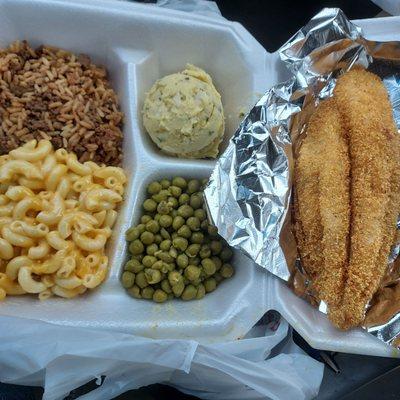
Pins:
x,y
322,210
374,156
347,195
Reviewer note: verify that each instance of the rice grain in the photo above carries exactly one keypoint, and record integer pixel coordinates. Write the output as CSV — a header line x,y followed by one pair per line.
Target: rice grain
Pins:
x,y
51,93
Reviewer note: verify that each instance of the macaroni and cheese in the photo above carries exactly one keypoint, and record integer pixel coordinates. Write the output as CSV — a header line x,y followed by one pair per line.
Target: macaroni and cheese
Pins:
x,y
56,216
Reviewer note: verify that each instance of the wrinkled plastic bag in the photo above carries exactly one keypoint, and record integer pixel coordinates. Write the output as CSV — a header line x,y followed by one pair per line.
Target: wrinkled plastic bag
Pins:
x,y
264,365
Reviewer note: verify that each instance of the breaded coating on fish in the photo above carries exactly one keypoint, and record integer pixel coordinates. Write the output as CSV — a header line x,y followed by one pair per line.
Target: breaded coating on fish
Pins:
x,y
322,210
373,141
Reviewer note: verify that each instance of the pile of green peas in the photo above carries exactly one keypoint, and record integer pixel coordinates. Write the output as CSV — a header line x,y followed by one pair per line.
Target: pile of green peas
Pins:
x,y
175,252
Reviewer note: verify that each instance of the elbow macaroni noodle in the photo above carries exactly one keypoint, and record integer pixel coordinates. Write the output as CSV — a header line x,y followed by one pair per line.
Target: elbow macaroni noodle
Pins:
x,y
56,215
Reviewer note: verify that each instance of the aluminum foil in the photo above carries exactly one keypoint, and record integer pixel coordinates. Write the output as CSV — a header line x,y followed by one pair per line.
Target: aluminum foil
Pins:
x,y
249,192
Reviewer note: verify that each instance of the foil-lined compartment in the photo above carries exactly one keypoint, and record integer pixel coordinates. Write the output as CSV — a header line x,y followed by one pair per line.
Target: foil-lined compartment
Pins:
x,y
249,192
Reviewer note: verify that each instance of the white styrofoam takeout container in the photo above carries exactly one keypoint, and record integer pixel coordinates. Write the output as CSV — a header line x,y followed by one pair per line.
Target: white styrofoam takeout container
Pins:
x,y
139,44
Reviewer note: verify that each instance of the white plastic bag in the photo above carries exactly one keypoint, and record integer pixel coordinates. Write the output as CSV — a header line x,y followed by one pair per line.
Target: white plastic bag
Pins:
x,y
265,365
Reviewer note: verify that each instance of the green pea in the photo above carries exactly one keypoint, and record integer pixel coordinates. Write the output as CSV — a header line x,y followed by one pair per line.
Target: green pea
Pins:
x,y
204,225
177,222
141,228
180,243
208,266
147,293
152,275
152,226
175,191
180,182
132,234
127,279
204,181
205,251
193,223
201,214
201,291
218,277
210,284
184,231
165,245
212,230
193,186
216,247
166,286
158,239
136,247
147,238
154,188
226,254
174,277
164,256
189,293
178,288
163,208
133,266
196,282
197,238
157,217
158,265
174,235
227,270
134,291
184,198
145,219
217,262
182,261
173,202
192,250
192,272
185,211
148,261
150,205
168,267
165,221
141,280
165,183
165,234
173,252
173,213
195,261
138,257
196,201
160,296
161,196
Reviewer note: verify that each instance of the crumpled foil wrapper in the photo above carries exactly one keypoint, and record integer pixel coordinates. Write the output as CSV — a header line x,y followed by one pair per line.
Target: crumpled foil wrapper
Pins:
x,y
249,193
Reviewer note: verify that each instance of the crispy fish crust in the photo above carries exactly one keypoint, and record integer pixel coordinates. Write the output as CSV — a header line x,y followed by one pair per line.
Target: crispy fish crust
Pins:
x,y
322,211
374,153
347,195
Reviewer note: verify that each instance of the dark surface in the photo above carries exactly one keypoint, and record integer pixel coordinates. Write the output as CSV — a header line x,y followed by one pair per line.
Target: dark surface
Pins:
x,y
272,23
387,384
